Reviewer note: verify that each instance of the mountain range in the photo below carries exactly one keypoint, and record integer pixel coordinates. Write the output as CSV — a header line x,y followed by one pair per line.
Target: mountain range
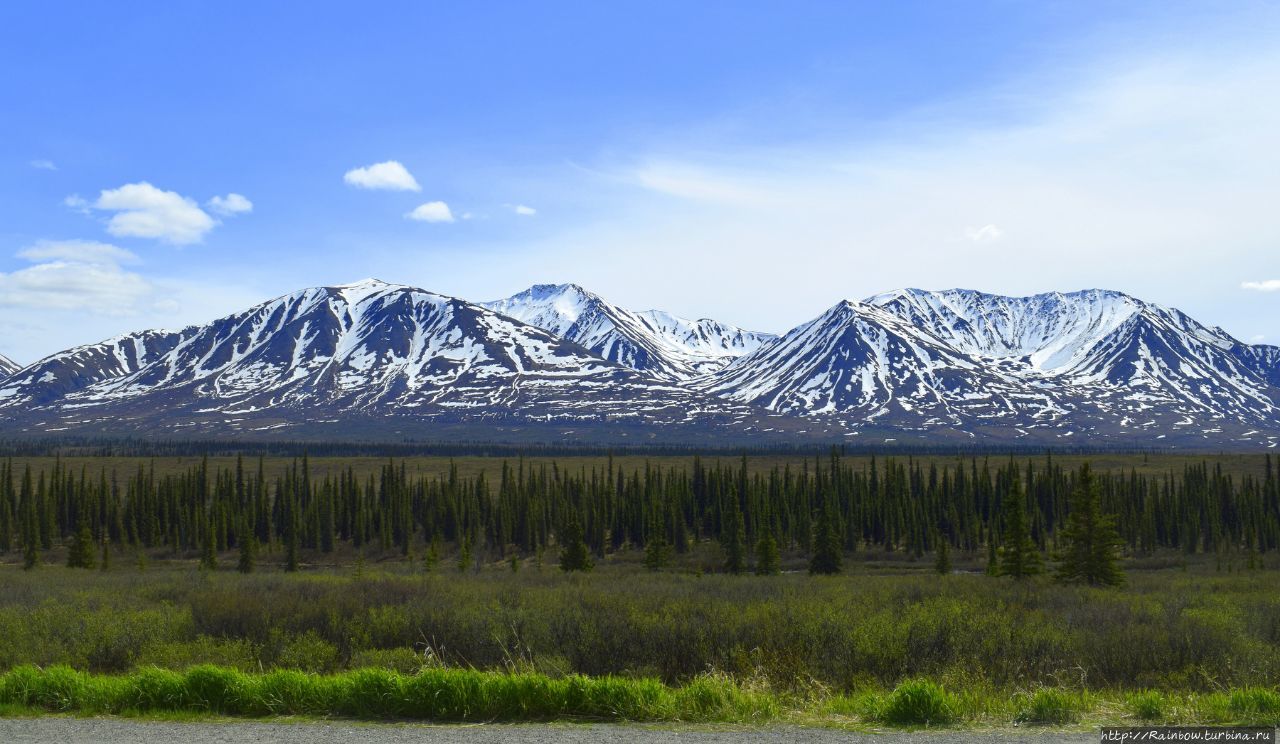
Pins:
x,y
378,361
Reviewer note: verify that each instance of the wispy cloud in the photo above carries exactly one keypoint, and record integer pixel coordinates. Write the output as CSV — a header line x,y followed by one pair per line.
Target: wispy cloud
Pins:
x,y
524,211
77,251
48,165
1268,285
386,176
689,180
76,203
984,234
75,275
144,211
436,211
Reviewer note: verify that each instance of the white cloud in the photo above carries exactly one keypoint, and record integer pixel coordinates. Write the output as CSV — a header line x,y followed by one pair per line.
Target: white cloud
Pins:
x,y
1258,338
388,176
525,211
144,211
1267,285
984,234
48,165
75,275
436,211
230,205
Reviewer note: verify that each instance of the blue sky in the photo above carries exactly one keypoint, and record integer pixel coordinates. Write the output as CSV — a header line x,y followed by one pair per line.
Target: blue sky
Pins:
x,y
754,162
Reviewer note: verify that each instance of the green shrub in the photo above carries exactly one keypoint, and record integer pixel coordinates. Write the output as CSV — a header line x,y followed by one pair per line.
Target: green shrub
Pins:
x,y
215,689
1255,706
1051,705
157,689
918,702
1148,705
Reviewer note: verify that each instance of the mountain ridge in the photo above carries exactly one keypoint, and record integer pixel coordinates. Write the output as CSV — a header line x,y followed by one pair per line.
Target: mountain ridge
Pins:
x,y
558,362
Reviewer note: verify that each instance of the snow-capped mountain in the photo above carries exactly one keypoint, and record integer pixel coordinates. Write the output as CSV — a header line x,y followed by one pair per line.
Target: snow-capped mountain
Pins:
x,y
7,366
368,348
1107,349
373,360
865,365
652,341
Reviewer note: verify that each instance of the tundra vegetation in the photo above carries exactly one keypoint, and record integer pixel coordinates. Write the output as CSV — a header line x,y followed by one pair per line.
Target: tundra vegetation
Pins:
x,y
931,591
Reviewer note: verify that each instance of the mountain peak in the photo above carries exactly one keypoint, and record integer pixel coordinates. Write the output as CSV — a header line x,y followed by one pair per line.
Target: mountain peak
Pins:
x,y
653,341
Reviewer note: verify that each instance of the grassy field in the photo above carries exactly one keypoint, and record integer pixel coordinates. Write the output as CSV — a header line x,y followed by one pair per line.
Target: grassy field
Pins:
x,y
887,643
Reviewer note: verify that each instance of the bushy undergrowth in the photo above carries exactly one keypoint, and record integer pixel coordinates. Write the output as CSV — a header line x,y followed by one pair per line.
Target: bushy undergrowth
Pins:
x,y
1167,630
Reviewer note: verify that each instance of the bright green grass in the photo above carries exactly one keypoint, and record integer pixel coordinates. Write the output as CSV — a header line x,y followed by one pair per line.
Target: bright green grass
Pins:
x,y
464,695
430,694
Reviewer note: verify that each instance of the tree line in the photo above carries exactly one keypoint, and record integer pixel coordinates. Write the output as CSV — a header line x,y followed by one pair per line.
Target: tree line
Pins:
x,y
1017,511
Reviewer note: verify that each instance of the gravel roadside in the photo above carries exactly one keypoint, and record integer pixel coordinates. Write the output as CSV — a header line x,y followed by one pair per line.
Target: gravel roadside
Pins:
x,y
119,731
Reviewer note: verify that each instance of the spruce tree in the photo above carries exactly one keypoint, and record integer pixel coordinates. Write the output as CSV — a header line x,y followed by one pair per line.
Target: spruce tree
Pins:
x,y
657,554
30,555
80,553
464,556
735,542
768,562
1019,557
105,563
1089,541
30,523
573,551
432,557
248,549
827,555
291,547
942,556
208,549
